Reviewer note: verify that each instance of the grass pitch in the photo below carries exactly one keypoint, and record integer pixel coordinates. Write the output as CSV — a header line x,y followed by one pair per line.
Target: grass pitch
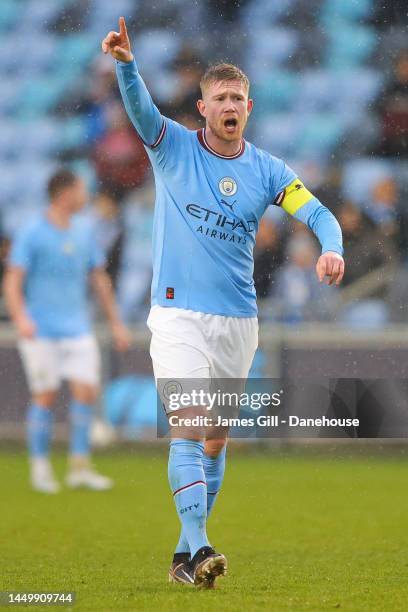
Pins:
x,y
300,532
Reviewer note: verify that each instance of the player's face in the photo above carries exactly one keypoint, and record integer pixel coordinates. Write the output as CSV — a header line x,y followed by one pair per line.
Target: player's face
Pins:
x,y
226,108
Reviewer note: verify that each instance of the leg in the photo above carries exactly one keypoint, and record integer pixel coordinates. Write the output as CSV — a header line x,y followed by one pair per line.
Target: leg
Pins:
x,y
39,430
178,354
187,481
214,468
40,361
80,365
81,411
81,473
39,422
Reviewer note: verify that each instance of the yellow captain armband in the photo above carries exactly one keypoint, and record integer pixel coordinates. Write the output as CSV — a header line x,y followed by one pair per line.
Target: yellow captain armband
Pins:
x,y
293,197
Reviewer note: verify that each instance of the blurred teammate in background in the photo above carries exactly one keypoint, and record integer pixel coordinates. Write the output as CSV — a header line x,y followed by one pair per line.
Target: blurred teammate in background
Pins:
x,y
45,287
212,188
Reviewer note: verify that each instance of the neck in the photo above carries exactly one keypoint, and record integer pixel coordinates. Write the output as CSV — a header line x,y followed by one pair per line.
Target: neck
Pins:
x,y
220,146
58,216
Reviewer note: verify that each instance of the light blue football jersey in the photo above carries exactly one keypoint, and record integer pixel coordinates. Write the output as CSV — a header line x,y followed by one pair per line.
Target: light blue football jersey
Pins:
x,y
57,263
208,208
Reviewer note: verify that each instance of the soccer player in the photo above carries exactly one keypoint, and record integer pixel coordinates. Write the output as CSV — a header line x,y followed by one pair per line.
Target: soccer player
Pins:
x,y
212,187
45,287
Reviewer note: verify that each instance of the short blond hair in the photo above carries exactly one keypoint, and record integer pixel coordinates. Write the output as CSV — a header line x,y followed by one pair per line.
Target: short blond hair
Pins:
x,y
223,72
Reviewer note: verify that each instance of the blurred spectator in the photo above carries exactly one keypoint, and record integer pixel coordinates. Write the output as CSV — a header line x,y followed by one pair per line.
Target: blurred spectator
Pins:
x,y
109,232
103,91
189,120
268,256
365,246
393,108
284,45
381,205
388,14
224,23
121,162
298,295
73,17
136,262
188,69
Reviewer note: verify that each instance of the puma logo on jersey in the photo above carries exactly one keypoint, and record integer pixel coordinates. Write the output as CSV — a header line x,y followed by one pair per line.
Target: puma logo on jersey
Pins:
x,y
229,204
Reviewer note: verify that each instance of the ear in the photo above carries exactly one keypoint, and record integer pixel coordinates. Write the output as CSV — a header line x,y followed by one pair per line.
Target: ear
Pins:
x,y
201,107
250,106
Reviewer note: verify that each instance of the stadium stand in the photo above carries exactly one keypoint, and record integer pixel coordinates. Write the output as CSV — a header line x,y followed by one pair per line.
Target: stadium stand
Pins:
x,y
325,79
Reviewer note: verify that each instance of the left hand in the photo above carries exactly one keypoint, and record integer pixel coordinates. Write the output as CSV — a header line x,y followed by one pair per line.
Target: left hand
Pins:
x,y
330,265
122,338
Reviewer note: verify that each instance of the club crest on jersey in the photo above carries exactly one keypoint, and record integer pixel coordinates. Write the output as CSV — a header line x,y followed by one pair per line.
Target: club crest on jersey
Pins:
x,y
227,186
68,248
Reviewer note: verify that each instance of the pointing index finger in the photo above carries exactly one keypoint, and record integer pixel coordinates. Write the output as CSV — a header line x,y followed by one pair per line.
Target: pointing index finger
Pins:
x,y
122,26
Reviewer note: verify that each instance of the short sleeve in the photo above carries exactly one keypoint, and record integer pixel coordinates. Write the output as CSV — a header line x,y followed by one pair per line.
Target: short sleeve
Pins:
x,y
22,248
97,257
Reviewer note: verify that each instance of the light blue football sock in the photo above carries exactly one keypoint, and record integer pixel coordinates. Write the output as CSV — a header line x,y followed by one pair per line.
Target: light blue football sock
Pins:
x,y
187,481
214,469
81,419
39,430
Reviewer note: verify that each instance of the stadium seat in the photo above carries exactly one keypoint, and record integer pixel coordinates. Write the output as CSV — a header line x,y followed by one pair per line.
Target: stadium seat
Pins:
x,y
347,9
71,133
319,134
9,13
37,97
40,14
157,48
276,92
278,133
364,315
319,92
260,12
10,94
359,173
269,48
40,137
330,90
77,49
348,45
104,15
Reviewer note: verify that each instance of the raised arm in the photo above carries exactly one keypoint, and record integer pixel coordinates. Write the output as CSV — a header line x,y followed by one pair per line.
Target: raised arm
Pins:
x,y
139,105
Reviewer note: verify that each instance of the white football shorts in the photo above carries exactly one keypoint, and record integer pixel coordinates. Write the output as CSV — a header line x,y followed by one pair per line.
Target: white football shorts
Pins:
x,y
47,362
193,345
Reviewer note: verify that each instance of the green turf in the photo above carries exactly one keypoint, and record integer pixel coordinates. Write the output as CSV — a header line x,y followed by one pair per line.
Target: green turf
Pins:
x,y
300,533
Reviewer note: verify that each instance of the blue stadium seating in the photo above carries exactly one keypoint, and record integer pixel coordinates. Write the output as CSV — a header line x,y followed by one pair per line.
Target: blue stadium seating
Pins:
x,y
302,112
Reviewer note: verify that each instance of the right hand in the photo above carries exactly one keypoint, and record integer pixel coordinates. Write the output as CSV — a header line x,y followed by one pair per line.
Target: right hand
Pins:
x,y
25,327
118,43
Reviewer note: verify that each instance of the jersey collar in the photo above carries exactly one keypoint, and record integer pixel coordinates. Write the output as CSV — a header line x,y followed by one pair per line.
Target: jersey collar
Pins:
x,y
203,142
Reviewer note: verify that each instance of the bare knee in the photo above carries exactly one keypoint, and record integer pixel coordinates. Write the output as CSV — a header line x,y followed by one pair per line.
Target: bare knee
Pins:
x,y
212,448
85,394
46,399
